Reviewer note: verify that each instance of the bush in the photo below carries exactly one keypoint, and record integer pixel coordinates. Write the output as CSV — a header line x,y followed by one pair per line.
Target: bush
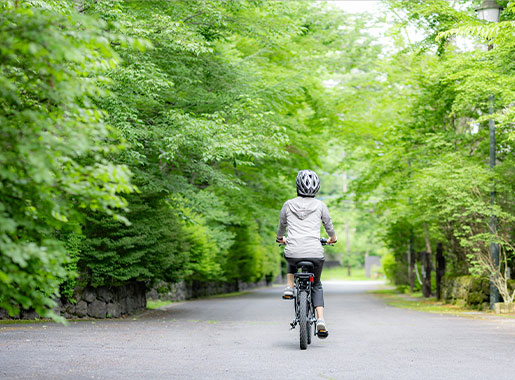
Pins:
x,y
390,267
152,247
246,258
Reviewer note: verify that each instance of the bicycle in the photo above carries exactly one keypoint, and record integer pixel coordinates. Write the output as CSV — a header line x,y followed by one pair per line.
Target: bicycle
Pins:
x,y
304,309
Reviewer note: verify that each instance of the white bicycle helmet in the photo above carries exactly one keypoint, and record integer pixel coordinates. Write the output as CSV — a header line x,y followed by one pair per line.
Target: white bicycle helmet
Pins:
x,y
308,183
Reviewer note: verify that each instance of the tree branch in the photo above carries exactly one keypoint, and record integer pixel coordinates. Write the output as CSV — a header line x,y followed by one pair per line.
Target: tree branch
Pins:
x,y
193,15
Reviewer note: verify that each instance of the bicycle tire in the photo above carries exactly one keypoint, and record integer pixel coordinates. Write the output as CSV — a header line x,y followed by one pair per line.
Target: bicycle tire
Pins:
x,y
308,328
303,320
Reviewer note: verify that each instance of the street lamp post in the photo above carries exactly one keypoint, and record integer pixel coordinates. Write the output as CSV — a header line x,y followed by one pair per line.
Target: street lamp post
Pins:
x,y
490,11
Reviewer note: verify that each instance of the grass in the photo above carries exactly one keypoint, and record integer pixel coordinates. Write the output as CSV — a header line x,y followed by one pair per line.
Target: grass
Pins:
x,y
156,304
47,320
227,295
415,301
24,321
340,273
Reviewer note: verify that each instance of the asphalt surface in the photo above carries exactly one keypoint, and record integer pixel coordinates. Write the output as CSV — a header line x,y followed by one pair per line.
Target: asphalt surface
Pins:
x,y
248,337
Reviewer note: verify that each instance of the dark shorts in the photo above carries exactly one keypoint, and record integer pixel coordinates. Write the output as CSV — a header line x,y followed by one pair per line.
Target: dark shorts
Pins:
x,y
317,292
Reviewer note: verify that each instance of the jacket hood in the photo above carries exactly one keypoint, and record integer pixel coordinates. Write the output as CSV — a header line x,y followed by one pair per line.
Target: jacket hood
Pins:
x,y
302,207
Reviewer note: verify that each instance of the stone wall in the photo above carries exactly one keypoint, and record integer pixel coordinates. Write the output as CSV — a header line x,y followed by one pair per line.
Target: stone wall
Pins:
x,y
115,302
107,302
101,302
467,291
183,291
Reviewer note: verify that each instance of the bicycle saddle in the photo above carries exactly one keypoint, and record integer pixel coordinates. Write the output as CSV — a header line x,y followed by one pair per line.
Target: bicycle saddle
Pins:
x,y
308,264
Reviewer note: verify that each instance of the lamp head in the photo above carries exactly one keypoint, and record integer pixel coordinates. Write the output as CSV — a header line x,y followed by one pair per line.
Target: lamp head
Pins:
x,y
489,11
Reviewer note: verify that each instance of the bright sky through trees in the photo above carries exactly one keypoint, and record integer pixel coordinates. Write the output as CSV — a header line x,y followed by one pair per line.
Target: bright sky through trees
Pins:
x,y
353,6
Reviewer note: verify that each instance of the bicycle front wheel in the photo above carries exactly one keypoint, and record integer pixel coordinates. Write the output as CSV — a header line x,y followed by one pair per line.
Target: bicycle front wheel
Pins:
x,y
303,319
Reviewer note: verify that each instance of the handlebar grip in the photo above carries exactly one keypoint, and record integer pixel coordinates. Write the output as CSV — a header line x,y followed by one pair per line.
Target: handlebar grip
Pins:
x,y
323,241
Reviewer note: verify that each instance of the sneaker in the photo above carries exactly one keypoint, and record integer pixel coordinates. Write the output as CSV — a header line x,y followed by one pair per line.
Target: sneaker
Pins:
x,y
288,293
322,332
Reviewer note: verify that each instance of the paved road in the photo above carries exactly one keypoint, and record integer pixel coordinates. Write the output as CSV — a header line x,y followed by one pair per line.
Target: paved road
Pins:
x,y
247,337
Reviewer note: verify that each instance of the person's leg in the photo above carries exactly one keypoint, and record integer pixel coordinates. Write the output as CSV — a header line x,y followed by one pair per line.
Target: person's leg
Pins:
x,y
317,291
290,280
320,312
290,270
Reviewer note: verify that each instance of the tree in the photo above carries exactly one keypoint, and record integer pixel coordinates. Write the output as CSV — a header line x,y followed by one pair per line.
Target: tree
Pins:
x,y
54,146
421,143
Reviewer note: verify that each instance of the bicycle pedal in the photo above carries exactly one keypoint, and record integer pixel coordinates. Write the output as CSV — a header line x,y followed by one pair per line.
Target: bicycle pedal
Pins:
x,y
287,297
322,334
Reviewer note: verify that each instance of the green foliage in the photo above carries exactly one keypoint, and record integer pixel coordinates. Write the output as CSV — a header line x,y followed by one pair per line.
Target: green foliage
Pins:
x,y
390,267
421,150
73,244
54,145
245,258
158,140
204,254
151,247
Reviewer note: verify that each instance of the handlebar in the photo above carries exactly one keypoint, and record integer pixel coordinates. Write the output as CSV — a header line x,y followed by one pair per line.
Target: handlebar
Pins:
x,y
323,241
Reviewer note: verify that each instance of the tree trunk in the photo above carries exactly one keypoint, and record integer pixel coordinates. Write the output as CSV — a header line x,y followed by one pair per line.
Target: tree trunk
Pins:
x,y
427,262
411,264
347,235
440,269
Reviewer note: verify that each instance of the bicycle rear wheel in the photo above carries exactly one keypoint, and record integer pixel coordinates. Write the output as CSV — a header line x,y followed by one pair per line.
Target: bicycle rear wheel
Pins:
x,y
303,320
310,323
308,328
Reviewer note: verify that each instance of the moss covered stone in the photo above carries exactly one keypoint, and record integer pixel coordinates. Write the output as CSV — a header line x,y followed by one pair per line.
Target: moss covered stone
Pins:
x,y
466,291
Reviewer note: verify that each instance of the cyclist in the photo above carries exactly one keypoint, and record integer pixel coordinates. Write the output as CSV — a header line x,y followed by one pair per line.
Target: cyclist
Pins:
x,y
303,216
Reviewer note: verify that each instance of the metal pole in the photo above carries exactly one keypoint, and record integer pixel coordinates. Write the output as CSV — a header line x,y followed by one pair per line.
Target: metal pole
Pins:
x,y
347,238
411,245
490,11
347,244
494,247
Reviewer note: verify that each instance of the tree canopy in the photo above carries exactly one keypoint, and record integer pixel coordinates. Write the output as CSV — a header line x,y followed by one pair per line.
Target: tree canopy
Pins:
x,y
146,141
158,140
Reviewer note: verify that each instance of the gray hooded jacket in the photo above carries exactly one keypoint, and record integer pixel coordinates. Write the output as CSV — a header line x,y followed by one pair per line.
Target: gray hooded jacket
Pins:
x,y
302,216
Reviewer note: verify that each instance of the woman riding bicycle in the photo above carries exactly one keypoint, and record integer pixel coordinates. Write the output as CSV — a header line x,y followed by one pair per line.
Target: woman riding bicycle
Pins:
x,y
303,216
